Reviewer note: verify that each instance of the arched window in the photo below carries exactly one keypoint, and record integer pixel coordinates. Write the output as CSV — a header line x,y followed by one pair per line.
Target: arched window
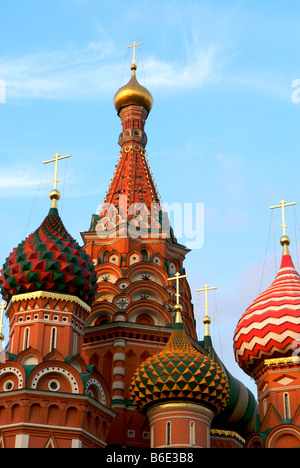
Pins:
x,y
104,257
75,344
144,254
168,433
26,338
286,405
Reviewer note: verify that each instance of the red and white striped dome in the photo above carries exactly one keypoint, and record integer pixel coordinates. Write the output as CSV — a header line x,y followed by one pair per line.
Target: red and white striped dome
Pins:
x,y
270,326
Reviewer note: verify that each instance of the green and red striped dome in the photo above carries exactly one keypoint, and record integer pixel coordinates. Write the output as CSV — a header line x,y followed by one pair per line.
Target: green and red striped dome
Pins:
x,y
48,260
269,327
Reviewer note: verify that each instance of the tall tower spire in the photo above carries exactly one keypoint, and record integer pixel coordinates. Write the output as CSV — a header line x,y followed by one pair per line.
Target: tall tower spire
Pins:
x,y
132,187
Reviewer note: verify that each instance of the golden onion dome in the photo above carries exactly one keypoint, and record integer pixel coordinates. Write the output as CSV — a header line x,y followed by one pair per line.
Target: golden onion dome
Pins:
x,y
133,94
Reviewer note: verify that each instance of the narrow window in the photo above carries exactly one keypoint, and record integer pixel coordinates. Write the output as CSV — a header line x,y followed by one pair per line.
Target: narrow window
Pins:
x,y
152,437
287,407
265,406
53,339
168,435
75,344
26,338
192,433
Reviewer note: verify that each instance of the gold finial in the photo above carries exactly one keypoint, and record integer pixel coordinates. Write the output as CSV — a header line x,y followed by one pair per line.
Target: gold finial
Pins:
x,y
2,308
206,320
178,307
134,45
55,194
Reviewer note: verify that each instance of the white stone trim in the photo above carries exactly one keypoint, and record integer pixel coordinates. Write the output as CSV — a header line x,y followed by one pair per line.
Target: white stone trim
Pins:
x,y
70,377
99,387
119,371
76,443
119,357
22,441
119,342
13,370
118,385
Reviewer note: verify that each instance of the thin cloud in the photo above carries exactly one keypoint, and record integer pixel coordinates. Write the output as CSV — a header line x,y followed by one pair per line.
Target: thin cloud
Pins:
x,y
202,68
64,74
89,72
14,183
269,84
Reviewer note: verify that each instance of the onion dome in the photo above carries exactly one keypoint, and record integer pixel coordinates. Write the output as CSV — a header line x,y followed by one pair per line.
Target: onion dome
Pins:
x,y
133,94
269,327
241,409
49,260
181,372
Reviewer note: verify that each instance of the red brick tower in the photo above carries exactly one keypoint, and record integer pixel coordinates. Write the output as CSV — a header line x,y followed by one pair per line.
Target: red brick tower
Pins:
x,y
134,253
180,389
266,345
49,397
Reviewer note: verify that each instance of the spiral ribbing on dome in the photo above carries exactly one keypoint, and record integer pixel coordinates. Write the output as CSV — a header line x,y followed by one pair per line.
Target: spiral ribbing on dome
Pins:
x,y
48,260
269,327
181,372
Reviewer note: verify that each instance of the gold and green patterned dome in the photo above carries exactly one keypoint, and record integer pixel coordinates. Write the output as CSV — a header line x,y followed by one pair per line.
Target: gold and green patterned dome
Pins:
x,y
182,372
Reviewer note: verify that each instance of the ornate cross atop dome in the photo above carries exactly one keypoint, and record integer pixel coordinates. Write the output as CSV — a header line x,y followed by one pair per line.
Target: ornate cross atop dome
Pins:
x,y
57,157
282,205
206,320
134,45
176,278
55,194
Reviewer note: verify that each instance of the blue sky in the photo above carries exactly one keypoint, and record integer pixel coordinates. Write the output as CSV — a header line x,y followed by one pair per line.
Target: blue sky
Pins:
x,y
223,131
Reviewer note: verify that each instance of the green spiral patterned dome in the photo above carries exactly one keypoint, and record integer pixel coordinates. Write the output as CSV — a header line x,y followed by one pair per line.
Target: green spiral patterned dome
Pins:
x,y
180,371
48,260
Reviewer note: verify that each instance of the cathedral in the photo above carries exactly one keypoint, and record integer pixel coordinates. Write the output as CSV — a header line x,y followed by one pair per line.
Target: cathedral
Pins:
x,y
103,350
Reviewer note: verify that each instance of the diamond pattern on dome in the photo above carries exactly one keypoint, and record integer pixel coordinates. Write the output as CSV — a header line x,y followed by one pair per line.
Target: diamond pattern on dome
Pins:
x,y
180,371
50,260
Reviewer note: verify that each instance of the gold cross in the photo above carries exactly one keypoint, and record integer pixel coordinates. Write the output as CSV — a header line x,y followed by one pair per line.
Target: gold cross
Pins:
x,y
206,289
56,158
206,319
282,205
134,46
2,308
177,277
